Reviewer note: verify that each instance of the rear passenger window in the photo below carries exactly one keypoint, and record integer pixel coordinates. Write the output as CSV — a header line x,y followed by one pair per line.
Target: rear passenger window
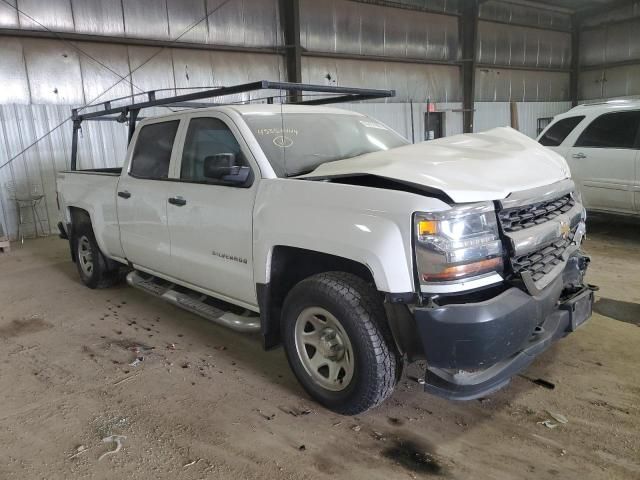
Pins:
x,y
611,130
556,134
152,152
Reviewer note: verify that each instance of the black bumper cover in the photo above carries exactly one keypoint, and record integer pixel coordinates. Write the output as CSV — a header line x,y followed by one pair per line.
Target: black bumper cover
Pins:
x,y
474,349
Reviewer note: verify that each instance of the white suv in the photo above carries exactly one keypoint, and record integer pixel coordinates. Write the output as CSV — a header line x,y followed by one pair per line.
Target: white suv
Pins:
x,y
600,142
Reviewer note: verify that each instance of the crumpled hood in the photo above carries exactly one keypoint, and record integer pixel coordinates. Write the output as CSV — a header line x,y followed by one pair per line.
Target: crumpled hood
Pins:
x,y
468,168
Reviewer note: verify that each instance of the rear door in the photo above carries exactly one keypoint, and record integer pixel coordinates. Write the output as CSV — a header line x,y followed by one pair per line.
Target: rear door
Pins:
x,y
142,197
603,161
210,221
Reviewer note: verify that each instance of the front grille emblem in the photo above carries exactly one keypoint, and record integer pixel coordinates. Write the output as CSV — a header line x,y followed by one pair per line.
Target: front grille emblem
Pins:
x,y
565,229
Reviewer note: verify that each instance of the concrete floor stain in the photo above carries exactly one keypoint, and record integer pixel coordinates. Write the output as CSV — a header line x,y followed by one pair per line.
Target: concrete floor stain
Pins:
x,y
413,456
24,326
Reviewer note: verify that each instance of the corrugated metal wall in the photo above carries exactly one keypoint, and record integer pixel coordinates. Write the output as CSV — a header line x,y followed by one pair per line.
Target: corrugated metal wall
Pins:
x,y
400,44
499,85
498,114
616,42
336,28
518,36
238,22
522,14
501,44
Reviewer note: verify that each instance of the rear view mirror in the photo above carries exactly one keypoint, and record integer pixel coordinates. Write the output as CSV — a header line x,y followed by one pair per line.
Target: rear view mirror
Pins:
x,y
220,166
224,168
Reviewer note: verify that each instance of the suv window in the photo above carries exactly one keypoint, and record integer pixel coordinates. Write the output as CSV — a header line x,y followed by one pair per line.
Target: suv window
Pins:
x,y
556,134
207,137
611,130
152,153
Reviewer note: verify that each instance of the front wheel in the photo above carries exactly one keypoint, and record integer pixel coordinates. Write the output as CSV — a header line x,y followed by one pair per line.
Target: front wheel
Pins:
x,y
338,343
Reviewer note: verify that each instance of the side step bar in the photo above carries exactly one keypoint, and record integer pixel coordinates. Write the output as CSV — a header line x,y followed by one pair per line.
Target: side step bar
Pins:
x,y
193,302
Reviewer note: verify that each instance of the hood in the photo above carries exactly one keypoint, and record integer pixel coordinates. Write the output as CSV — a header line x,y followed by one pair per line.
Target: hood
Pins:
x,y
468,168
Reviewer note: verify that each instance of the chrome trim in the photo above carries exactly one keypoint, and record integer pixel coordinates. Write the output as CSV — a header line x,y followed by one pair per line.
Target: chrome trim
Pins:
x,y
530,239
458,211
537,195
467,284
536,288
239,323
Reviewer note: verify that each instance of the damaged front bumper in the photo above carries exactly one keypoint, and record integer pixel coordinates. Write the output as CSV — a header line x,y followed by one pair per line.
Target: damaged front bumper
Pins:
x,y
473,349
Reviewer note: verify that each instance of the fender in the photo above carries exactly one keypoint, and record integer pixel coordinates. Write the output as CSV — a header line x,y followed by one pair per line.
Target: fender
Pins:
x,y
371,226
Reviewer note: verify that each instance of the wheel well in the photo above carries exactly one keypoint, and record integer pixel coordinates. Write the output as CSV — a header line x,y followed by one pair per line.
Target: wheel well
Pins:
x,y
290,265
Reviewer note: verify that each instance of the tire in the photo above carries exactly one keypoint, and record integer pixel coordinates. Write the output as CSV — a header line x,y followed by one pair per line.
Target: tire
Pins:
x,y
90,261
340,317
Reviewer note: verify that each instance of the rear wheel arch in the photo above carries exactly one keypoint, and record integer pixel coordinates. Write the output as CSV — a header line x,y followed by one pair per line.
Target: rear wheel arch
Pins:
x,y
81,220
288,267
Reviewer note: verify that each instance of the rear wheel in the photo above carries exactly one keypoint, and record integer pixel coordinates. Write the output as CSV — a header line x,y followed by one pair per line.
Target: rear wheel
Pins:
x,y
338,343
91,264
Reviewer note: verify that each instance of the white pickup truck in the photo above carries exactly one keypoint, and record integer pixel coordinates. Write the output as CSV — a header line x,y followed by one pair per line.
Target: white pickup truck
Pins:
x,y
327,232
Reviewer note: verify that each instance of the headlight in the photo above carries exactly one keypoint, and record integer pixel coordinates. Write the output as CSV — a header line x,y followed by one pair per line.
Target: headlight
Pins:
x,y
457,244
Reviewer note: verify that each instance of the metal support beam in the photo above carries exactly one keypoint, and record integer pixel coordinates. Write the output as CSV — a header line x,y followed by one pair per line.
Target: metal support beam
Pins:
x,y
532,68
290,19
74,141
575,61
468,26
525,25
143,42
378,58
604,66
408,6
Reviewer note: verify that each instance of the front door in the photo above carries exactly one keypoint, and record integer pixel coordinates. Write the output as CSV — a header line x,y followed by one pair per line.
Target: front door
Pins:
x,y
210,219
142,197
603,161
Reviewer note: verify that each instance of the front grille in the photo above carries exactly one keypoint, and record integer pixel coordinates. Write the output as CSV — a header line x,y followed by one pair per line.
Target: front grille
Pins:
x,y
518,218
543,260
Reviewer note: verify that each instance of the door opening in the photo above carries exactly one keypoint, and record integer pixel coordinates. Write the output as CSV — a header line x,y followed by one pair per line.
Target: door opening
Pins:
x,y
433,125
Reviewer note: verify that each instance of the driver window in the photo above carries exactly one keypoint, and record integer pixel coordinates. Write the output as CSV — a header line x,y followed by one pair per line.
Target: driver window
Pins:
x,y
208,137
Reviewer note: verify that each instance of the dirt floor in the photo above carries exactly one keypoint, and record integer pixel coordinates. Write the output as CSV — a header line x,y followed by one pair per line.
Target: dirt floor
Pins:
x,y
209,403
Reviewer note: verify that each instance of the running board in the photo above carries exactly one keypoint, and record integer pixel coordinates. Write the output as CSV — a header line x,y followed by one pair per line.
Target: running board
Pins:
x,y
193,302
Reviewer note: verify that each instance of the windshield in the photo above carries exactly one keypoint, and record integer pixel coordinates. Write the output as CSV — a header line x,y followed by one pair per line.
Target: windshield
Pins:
x,y
297,143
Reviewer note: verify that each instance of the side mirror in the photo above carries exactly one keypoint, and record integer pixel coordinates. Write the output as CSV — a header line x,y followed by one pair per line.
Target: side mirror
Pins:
x,y
220,166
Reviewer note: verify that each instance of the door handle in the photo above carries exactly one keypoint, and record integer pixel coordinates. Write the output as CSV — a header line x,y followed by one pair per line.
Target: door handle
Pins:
x,y
178,201
124,194
579,155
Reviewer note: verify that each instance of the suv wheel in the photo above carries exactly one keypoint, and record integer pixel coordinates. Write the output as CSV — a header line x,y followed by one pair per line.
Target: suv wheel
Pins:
x,y
338,343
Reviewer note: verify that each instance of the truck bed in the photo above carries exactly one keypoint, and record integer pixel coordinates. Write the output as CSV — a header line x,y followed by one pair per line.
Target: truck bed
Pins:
x,y
93,191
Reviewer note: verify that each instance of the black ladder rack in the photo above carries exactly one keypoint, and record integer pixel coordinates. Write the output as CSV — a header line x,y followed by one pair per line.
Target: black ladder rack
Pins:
x,y
295,94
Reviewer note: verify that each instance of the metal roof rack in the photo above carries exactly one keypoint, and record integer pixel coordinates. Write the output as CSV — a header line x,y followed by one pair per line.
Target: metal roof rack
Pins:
x,y
295,95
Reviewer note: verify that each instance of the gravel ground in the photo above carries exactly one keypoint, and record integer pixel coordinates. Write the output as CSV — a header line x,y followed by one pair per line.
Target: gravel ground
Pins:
x,y
209,403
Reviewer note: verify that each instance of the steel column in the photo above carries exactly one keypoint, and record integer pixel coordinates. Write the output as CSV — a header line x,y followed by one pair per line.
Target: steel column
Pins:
x,y
290,19
468,25
575,61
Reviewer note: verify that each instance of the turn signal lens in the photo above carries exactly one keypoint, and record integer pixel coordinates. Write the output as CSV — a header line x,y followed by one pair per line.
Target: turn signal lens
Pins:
x,y
466,270
427,227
